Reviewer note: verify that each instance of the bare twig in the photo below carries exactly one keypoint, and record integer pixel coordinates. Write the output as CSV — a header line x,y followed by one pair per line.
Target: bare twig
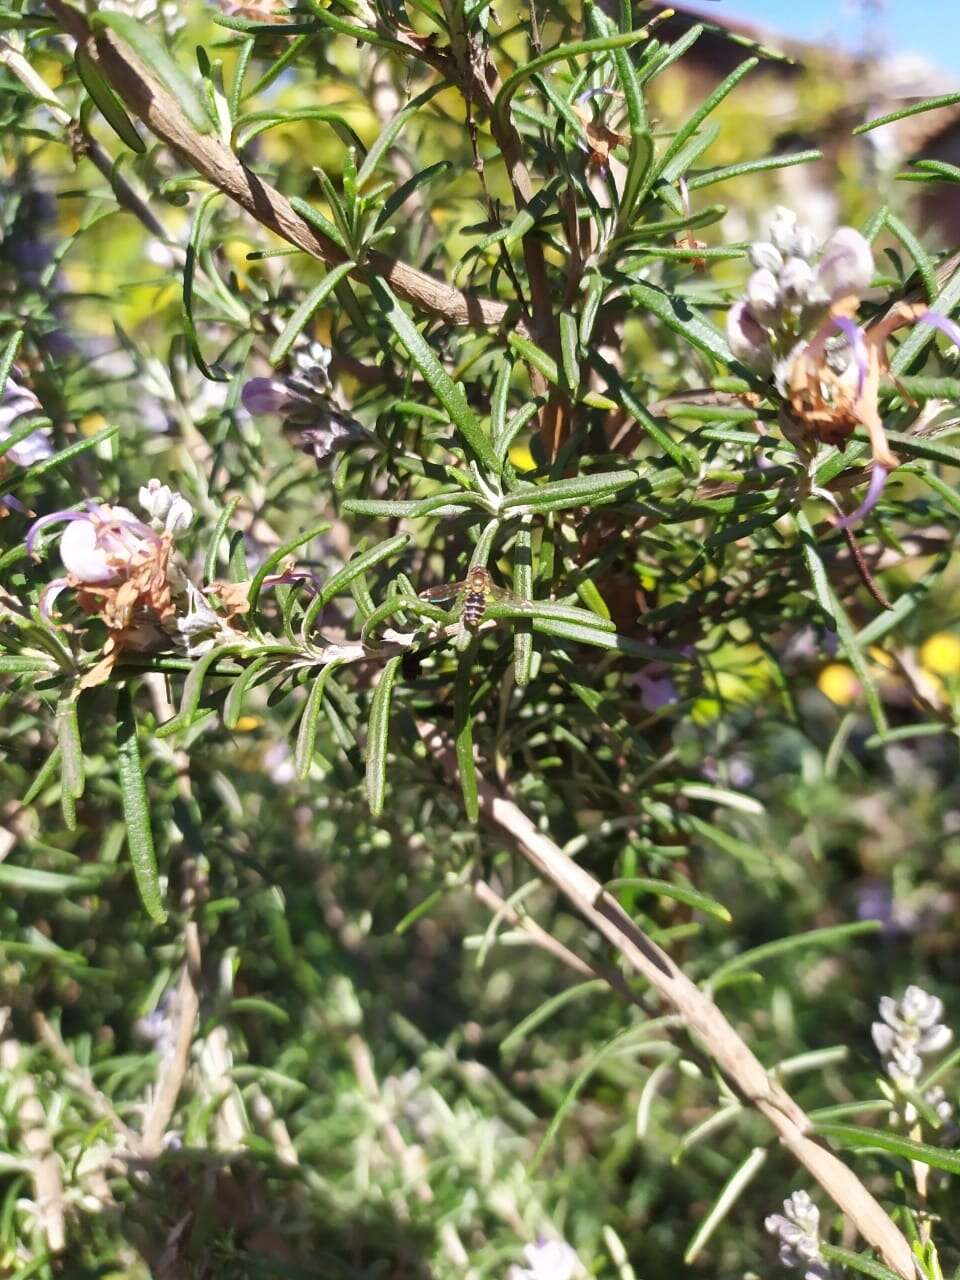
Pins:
x,y
80,1079
208,155
36,1138
186,1003
702,1017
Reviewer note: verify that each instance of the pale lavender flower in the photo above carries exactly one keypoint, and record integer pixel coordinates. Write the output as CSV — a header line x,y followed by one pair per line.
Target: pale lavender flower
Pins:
x,y
765,256
169,510
910,1030
763,295
301,397
846,266
944,324
747,338
547,1260
798,1231
782,230
16,402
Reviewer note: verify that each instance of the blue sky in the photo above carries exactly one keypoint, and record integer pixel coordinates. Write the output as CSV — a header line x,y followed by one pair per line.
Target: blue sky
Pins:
x,y
930,27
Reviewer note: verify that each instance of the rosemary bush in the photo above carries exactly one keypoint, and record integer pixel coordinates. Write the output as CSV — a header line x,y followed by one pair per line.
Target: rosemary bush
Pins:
x,y
427,846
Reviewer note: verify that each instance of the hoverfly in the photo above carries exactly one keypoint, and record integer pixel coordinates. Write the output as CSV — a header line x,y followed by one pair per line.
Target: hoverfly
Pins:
x,y
472,595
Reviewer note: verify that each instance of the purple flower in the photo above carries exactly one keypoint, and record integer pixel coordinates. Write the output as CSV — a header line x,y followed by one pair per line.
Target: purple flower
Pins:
x,y
320,429
17,402
944,324
858,344
878,479
99,545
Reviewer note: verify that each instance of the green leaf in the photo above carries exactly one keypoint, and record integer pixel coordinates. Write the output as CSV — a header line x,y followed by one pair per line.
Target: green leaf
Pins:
x,y
36,880
67,455
669,889
378,732
573,492
928,104
796,942
945,303
251,126
834,609
498,400
535,356
728,171
624,397
213,547
449,394
734,1187
683,318
136,809
514,426
917,252
318,221
198,235
44,776
281,553
523,587
561,53
569,340
342,579
307,733
389,134
861,1262
691,125
463,729
157,62
233,707
193,689
8,357
511,1042
72,773
111,108
301,317
598,636
848,1135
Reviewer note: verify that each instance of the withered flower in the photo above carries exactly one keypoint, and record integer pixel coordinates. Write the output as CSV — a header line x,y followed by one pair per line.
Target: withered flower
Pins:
x,y
119,569
797,320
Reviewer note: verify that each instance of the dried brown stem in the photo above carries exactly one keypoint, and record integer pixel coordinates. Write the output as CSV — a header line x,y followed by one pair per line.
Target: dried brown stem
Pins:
x,y
208,155
703,1018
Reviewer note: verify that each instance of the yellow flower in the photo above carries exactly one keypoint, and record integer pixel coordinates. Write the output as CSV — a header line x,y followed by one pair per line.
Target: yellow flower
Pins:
x,y
941,654
838,683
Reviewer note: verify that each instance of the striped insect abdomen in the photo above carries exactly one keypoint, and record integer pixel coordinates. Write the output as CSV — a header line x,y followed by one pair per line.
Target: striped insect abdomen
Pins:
x,y
474,603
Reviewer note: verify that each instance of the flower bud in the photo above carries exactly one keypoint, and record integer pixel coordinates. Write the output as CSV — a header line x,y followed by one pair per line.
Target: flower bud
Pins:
x,y
267,395
797,280
847,264
764,254
805,243
763,294
747,338
782,229
155,499
179,516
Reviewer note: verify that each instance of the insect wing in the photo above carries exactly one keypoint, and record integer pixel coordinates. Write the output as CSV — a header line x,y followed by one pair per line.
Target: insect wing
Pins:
x,y
449,591
500,595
